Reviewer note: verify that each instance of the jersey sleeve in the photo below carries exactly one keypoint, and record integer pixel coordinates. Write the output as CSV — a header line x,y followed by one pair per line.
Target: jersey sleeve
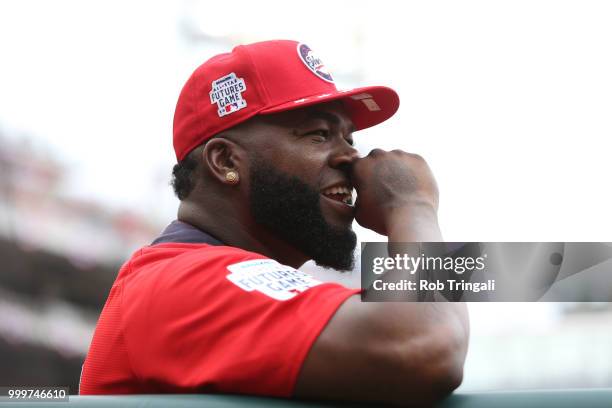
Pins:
x,y
226,320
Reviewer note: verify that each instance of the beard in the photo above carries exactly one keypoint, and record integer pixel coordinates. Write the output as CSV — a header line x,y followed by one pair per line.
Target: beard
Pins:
x,y
291,209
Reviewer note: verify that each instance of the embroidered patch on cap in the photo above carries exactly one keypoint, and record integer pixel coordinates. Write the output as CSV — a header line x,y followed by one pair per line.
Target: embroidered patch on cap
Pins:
x,y
371,104
367,100
226,92
280,282
313,62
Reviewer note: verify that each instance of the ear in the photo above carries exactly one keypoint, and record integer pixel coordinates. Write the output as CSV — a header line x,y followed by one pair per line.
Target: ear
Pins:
x,y
222,156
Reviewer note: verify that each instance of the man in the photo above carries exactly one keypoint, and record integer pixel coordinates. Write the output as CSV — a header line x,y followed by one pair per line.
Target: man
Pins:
x,y
265,174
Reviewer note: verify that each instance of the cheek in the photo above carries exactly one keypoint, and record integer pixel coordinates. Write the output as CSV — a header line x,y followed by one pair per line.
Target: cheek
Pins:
x,y
305,165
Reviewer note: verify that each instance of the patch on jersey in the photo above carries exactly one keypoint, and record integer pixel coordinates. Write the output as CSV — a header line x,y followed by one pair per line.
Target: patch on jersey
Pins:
x,y
313,62
226,92
280,282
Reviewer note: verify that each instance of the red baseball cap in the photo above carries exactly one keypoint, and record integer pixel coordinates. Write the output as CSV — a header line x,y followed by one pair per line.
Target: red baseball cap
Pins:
x,y
263,78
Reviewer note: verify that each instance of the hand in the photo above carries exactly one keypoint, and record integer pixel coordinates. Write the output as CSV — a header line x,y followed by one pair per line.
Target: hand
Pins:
x,y
389,183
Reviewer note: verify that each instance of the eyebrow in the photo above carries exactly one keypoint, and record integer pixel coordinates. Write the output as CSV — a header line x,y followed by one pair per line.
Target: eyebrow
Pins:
x,y
330,117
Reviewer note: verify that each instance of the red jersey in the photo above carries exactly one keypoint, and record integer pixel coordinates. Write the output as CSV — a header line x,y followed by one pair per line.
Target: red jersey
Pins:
x,y
199,316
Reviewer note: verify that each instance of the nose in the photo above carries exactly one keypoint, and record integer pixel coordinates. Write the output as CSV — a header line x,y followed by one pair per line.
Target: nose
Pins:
x,y
343,156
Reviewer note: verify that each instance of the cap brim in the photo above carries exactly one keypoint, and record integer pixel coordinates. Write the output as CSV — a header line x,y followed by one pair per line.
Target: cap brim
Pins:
x,y
367,106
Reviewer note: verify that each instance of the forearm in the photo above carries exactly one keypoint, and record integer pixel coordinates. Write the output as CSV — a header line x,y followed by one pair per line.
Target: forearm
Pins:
x,y
413,223
408,354
437,326
419,223
432,340
439,351
406,227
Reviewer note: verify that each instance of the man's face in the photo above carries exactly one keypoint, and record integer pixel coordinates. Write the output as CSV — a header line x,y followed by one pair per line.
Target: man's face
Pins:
x,y
299,181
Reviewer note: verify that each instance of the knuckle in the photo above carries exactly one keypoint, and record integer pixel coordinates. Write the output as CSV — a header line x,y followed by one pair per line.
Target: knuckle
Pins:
x,y
417,156
376,152
413,156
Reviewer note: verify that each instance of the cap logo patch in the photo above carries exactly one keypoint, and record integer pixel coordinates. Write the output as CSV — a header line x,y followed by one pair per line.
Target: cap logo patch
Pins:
x,y
314,63
226,92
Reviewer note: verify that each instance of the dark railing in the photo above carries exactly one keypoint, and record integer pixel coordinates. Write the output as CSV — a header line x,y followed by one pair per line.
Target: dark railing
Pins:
x,y
591,398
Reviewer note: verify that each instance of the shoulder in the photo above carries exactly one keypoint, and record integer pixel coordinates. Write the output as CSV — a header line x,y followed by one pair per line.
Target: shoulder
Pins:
x,y
166,273
162,261
188,273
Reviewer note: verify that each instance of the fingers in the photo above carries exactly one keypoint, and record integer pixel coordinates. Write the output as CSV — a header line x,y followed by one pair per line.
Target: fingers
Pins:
x,y
375,152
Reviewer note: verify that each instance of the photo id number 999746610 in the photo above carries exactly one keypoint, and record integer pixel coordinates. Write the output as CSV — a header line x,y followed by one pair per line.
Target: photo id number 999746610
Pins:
x,y
41,394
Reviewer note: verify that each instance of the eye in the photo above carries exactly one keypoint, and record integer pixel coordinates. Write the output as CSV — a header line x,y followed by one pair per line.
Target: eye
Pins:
x,y
350,142
319,135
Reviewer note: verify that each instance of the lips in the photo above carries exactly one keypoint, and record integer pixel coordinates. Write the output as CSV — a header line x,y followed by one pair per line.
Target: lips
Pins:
x,y
341,192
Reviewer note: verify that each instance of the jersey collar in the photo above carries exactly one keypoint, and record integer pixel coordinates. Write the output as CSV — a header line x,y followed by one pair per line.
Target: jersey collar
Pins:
x,y
181,232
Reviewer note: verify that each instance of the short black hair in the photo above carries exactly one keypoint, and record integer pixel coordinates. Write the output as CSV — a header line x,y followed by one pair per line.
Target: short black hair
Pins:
x,y
183,174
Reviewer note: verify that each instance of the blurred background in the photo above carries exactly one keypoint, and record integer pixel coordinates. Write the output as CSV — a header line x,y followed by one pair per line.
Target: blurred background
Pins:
x,y
510,103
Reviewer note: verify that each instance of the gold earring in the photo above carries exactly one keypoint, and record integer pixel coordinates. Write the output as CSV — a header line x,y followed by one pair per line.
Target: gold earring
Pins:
x,y
231,177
